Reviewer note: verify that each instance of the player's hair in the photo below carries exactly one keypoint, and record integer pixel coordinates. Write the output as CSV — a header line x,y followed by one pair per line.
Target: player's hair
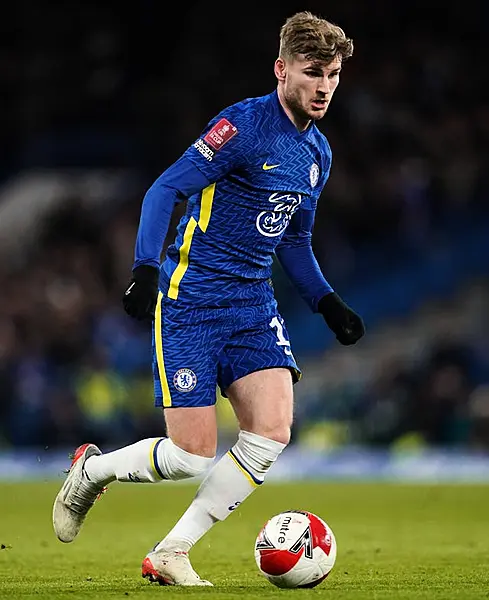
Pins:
x,y
314,37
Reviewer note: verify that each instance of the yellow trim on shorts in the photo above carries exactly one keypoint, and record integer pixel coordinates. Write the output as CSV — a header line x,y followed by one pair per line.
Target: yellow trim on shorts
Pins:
x,y
244,471
206,201
165,389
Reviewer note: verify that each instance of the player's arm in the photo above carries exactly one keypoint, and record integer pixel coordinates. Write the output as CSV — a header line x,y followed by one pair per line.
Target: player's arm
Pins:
x,y
181,180
297,258
219,150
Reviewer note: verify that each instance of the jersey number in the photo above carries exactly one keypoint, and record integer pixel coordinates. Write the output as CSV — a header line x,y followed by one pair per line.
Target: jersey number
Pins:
x,y
275,323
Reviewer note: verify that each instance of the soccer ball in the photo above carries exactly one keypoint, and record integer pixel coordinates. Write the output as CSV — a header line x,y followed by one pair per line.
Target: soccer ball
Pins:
x,y
295,549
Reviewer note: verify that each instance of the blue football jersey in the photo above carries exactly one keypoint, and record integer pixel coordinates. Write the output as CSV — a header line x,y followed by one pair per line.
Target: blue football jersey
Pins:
x,y
261,171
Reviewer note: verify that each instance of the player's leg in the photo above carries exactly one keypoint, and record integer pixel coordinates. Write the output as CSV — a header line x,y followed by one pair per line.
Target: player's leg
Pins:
x,y
194,431
181,379
191,432
263,403
186,451
148,461
260,389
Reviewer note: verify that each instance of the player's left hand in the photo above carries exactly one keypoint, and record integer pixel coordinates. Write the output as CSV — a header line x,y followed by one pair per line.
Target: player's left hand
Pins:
x,y
341,319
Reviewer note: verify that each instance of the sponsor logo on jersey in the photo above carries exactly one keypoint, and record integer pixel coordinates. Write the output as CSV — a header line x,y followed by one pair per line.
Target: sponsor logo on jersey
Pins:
x,y
220,134
273,222
204,149
184,380
314,174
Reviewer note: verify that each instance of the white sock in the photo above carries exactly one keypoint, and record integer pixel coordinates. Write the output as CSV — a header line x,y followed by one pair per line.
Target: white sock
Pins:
x,y
147,461
237,474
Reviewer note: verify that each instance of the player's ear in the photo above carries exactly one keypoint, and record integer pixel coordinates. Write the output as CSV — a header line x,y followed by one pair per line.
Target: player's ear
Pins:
x,y
279,69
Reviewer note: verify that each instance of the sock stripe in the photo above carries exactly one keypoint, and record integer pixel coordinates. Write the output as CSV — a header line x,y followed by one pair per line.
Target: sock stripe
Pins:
x,y
252,479
154,458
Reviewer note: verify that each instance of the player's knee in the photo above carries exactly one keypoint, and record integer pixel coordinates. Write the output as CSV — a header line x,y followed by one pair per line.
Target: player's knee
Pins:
x,y
278,432
280,435
181,464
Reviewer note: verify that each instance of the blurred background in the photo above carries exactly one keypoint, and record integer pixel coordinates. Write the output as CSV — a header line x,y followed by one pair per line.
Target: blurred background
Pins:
x,y
98,99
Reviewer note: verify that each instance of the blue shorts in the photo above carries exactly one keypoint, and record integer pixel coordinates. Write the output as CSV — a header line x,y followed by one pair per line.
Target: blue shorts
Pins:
x,y
196,349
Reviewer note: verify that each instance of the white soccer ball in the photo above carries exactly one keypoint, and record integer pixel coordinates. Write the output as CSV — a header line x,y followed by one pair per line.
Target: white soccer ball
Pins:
x,y
295,549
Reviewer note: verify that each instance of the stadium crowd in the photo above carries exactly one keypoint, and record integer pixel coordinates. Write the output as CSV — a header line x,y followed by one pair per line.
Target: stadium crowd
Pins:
x,y
409,129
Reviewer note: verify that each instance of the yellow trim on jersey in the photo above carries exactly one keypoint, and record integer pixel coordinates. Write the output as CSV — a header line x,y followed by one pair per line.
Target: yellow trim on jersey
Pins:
x,y
204,218
165,389
182,266
206,206
245,473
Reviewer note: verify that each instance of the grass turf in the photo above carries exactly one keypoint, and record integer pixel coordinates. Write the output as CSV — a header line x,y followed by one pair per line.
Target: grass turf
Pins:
x,y
394,542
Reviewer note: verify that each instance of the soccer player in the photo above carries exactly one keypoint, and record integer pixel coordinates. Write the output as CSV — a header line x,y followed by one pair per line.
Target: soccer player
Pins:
x,y
252,180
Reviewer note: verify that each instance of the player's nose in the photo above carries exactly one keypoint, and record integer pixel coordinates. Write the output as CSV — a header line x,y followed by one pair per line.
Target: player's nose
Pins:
x,y
324,86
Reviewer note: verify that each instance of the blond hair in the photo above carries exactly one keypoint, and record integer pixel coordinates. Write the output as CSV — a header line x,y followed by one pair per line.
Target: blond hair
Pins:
x,y
314,37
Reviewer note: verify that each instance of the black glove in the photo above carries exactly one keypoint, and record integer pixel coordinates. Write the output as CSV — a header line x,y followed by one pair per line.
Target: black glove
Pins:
x,y
341,319
140,297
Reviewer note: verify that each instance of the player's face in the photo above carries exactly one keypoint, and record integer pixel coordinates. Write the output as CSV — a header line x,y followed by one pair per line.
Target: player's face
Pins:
x,y
307,86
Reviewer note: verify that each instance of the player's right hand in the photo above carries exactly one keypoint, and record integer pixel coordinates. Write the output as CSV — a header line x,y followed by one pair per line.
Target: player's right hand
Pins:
x,y
140,297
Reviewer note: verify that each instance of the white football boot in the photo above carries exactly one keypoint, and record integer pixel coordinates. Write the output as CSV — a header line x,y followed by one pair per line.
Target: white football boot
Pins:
x,y
170,568
76,497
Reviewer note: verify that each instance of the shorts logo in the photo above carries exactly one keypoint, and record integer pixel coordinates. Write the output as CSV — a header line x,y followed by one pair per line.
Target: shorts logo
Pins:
x,y
221,133
184,380
314,174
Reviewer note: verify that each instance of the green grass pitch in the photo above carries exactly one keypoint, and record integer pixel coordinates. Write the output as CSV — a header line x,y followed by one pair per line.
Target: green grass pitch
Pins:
x,y
394,541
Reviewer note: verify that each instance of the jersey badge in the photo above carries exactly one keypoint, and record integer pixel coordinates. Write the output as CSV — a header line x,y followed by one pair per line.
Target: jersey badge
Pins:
x,y
220,134
314,174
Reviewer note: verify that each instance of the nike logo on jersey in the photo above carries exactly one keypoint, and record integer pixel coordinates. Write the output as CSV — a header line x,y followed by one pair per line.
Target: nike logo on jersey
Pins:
x,y
268,167
128,291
